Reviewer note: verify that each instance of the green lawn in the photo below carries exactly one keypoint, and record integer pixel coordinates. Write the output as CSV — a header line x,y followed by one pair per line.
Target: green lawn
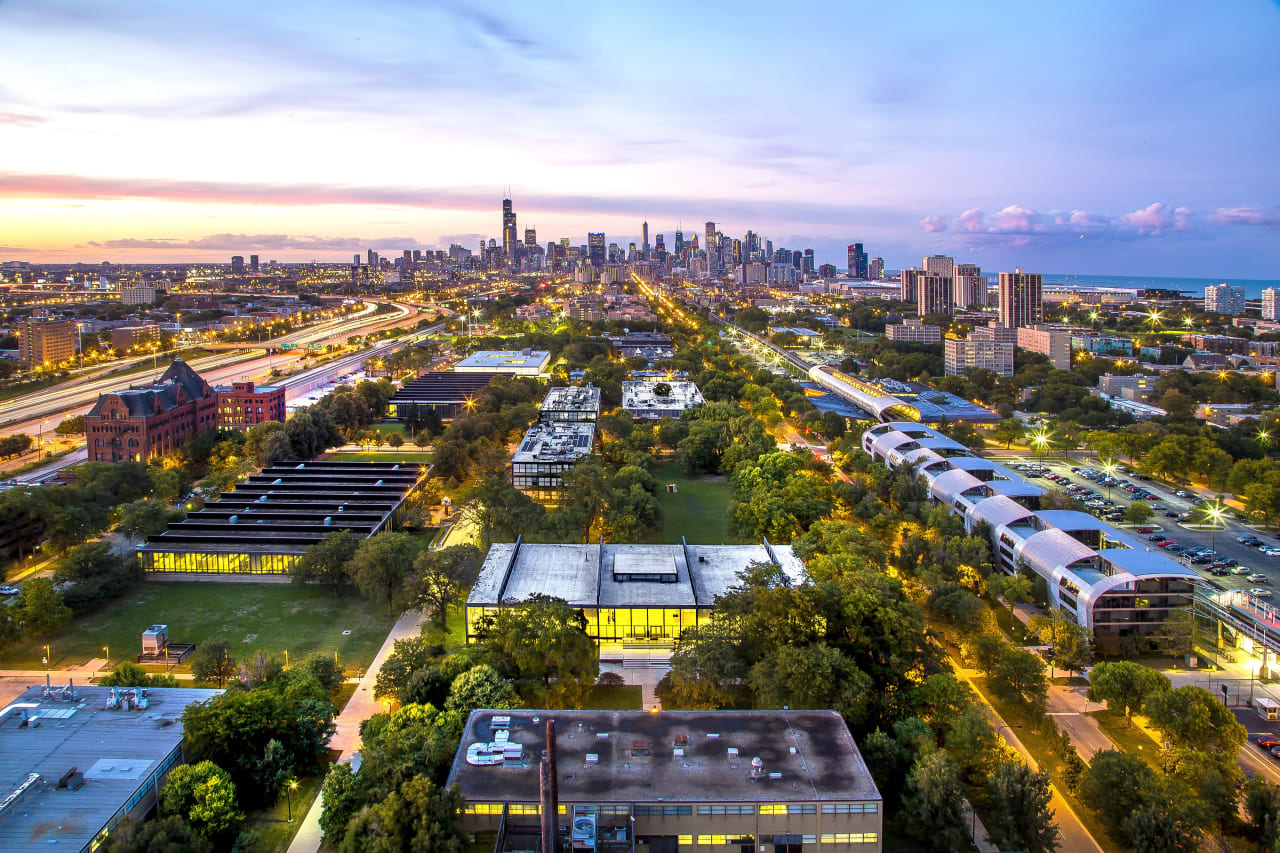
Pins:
x,y
624,697
272,825
698,511
389,428
1127,736
401,455
268,617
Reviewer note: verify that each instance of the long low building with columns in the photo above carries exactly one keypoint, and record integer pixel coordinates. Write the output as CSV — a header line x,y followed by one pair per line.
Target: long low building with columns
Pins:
x,y
1113,583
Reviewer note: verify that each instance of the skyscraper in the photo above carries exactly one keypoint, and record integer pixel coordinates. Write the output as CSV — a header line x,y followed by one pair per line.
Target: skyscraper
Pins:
x,y
876,271
237,264
530,237
1224,299
1021,298
939,264
971,287
857,261
1270,304
711,236
373,258
806,262
934,293
908,281
508,229
595,249
355,260
253,264
406,259
659,248
679,241
644,241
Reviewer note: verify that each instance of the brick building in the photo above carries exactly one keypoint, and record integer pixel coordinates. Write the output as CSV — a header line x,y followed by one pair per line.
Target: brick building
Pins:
x,y
46,342
151,420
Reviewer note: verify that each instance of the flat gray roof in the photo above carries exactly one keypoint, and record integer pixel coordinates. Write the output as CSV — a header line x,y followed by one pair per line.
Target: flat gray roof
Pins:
x,y
116,750
506,359
582,575
825,766
638,394
556,441
574,398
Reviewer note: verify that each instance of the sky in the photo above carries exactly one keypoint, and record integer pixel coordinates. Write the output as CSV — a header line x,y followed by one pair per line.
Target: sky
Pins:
x,y
1128,138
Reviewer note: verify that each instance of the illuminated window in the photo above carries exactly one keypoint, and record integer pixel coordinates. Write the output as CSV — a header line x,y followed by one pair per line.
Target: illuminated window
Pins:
x,y
484,808
849,838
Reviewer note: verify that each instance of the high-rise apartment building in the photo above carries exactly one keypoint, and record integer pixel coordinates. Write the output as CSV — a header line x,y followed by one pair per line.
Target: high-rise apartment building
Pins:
x,y
938,264
934,292
596,249
237,264
1270,302
806,262
970,287
679,241
46,342
253,264
857,261
987,347
508,230
908,280
1055,342
1021,298
875,271
827,271
1224,299
710,232
373,258
137,293
912,330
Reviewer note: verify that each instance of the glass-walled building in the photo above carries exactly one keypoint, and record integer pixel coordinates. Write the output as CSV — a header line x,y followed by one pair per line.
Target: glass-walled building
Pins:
x,y
635,598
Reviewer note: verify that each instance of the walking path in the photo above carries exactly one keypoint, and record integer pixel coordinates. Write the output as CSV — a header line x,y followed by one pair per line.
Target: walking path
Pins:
x,y
346,739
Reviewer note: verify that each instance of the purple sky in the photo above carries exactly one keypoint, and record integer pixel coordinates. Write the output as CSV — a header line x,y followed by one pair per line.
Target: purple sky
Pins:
x,y
1126,138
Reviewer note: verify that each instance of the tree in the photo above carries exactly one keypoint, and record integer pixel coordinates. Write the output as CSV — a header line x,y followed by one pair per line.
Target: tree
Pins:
x,y
1193,718
1116,785
1152,829
1068,643
440,577
129,674
70,426
1019,817
341,798
162,835
481,687
814,676
1178,633
1138,512
500,511
1262,804
212,661
418,818
381,565
328,561
204,795
395,440
542,645
1019,677
407,657
1125,685
94,574
933,808
142,518
1009,430
40,609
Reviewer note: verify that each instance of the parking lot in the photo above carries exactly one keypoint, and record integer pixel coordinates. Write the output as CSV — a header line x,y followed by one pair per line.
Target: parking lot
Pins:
x,y
1223,540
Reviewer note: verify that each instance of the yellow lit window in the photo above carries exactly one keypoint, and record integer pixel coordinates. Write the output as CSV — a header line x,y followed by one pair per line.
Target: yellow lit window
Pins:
x,y
684,839
849,838
483,808
773,808
524,808
711,839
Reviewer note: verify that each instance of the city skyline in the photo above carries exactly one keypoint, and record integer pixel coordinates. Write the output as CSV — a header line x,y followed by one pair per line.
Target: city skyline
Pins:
x,y
1121,148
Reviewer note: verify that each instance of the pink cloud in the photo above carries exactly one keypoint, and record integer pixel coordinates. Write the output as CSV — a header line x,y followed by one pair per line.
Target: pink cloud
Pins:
x,y
934,224
1249,214
1156,218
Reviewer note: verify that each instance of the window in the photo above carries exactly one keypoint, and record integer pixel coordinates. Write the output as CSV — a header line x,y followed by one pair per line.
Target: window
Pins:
x,y
849,838
660,811
850,808
524,808
773,808
684,839
726,810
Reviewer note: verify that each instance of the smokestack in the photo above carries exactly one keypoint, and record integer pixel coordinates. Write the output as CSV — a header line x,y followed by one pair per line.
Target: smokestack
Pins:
x,y
548,808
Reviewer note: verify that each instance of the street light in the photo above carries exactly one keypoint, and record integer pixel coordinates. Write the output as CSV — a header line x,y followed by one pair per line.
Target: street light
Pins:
x,y
106,650
1039,439
1109,468
46,657
293,786
1215,514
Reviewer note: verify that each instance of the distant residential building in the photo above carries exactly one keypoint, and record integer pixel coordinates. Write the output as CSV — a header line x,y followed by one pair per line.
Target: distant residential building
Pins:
x,y
876,271
1055,343
938,265
1021,298
137,293
126,338
641,400
237,264
1102,344
1137,387
827,271
46,342
982,349
913,330
1224,299
1221,344
1270,298
934,293
908,285
970,287
857,261
1207,361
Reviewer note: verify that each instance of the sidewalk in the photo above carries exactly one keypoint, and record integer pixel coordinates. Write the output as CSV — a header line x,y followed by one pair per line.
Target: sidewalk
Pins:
x,y
346,739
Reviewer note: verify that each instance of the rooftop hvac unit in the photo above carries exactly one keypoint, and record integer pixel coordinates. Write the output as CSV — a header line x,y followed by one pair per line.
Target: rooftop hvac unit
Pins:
x,y
584,831
155,639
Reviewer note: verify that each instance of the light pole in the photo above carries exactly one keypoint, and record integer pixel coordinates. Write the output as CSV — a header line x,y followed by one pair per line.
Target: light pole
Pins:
x,y
292,786
47,663
1109,468
106,650
1039,439
1215,514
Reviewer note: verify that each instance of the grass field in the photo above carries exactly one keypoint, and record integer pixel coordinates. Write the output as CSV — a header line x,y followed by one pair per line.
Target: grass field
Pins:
x,y
251,617
272,825
624,697
1127,736
415,455
698,511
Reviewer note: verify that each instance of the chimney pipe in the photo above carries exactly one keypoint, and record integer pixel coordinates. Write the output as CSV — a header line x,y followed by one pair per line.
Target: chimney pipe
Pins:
x,y
548,809
553,771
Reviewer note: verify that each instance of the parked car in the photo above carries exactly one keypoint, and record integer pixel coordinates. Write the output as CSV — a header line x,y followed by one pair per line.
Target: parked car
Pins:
x,y
1143,529
1220,572
8,590
1240,570
1258,577
1268,741
1258,592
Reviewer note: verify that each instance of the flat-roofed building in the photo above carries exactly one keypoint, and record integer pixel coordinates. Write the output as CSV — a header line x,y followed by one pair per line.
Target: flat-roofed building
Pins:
x,y
243,404
547,450
125,338
1110,581
1049,341
1021,298
79,759
137,293
636,598
650,345
983,349
516,362
913,330
571,403
642,401
782,781
447,393
934,292
1224,299
270,520
46,342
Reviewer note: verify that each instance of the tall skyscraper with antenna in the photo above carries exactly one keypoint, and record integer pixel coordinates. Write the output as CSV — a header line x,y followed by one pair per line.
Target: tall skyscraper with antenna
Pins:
x,y
509,241
644,241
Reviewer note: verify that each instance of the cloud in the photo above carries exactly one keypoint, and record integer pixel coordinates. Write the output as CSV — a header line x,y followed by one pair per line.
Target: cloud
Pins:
x,y
1019,225
261,243
1249,214
1156,218
933,224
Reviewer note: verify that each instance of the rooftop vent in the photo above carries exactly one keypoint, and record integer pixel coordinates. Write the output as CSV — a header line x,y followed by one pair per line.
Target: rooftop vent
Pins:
x,y
757,767
593,758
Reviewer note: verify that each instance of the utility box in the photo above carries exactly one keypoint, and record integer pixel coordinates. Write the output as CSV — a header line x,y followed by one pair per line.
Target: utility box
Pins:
x,y
155,640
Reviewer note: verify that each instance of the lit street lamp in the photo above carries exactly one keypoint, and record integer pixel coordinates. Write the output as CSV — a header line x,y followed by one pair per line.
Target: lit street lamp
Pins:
x,y
1039,440
292,786
1215,514
1109,468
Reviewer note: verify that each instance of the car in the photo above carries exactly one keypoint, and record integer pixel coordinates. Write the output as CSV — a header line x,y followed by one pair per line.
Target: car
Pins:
x,y
1150,498
1142,530
1170,543
1156,537
1230,561
1182,493
1200,559
1245,540
1268,741
1220,572
1240,570
8,590
1257,592
1168,513
1258,577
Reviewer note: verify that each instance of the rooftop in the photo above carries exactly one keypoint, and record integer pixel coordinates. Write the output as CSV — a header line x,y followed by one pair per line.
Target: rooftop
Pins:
x,y
504,360
556,441
290,506
640,395
117,751
574,398
442,387
672,757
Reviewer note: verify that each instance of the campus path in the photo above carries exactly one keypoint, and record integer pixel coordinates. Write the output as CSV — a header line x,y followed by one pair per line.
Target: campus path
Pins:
x,y
360,707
